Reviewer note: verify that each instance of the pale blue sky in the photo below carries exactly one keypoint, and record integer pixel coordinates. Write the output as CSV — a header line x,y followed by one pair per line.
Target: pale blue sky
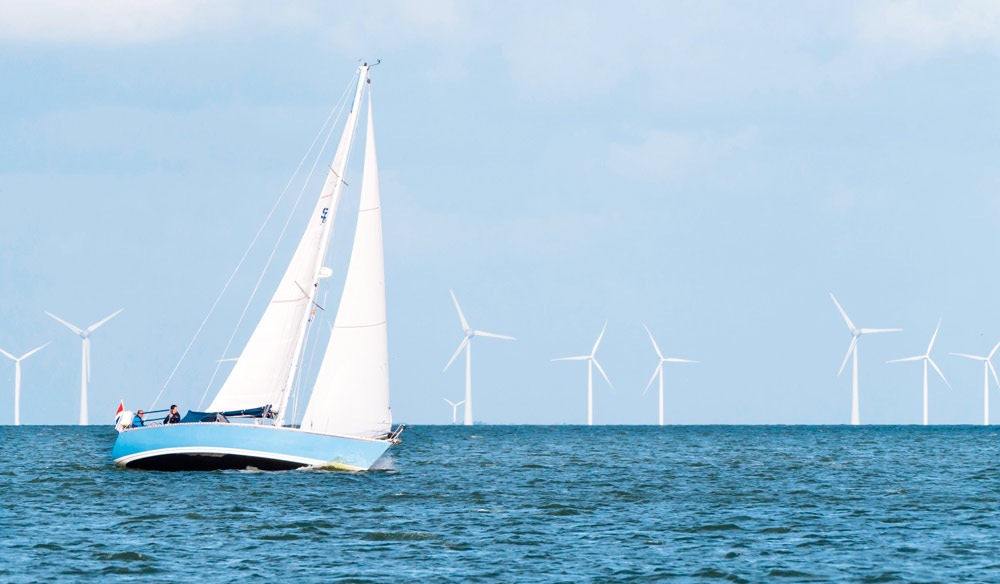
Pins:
x,y
711,169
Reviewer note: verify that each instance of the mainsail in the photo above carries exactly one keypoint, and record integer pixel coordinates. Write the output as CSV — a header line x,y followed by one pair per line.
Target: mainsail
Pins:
x,y
351,395
266,368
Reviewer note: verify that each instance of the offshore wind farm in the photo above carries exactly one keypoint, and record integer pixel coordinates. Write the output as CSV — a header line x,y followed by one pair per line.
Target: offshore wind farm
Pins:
x,y
652,221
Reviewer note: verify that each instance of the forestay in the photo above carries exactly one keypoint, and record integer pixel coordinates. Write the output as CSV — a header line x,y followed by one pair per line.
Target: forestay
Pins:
x,y
351,394
266,367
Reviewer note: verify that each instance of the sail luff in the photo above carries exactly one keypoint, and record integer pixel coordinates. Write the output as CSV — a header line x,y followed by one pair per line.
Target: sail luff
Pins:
x,y
260,375
351,394
339,168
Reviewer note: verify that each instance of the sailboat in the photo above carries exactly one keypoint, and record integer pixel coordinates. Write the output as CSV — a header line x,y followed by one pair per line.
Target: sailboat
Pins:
x,y
347,423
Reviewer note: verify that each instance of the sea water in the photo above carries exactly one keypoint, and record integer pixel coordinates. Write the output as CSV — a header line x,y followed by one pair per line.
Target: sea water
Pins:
x,y
521,504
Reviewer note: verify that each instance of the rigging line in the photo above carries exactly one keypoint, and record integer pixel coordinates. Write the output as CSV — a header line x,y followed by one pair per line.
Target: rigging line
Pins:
x,y
250,247
291,215
312,355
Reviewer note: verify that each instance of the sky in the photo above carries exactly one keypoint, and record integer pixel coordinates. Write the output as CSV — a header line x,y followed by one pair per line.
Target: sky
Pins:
x,y
711,169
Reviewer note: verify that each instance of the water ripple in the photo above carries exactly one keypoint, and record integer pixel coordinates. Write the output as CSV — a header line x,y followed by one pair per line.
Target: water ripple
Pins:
x,y
524,504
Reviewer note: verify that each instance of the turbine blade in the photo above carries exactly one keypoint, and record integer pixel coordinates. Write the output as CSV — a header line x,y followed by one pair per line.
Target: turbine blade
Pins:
x,y
938,369
850,324
599,337
870,331
94,326
655,346
994,371
33,351
492,335
580,358
460,403
653,378
461,346
917,358
976,357
676,360
449,402
465,325
934,336
8,355
993,352
854,344
68,325
599,368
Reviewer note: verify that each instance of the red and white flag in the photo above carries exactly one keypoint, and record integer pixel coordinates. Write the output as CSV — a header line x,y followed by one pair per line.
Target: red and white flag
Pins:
x,y
121,408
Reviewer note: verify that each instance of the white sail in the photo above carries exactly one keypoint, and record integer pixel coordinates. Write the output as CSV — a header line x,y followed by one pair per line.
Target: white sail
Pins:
x,y
264,370
351,395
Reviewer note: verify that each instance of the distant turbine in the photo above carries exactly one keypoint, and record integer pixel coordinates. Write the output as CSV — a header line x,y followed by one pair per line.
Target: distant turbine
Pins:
x,y
454,409
853,349
926,358
17,379
987,369
659,369
467,345
85,373
591,362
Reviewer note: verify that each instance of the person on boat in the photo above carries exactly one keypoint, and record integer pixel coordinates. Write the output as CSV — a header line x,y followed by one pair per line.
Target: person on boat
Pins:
x,y
174,417
138,420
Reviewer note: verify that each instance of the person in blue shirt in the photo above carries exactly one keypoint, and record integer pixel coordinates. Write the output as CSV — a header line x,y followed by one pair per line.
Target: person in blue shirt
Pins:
x,y
174,417
138,421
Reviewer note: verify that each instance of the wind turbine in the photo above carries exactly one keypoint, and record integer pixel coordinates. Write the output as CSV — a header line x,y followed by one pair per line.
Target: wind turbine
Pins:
x,y
987,369
85,373
853,349
17,379
926,358
659,369
591,362
454,409
467,345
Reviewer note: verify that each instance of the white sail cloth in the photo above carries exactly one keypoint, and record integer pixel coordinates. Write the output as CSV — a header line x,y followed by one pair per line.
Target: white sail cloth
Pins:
x,y
351,394
264,369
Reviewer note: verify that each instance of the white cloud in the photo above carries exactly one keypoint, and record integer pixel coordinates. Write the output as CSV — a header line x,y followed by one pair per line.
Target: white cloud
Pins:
x,y
109,22
925,26
125,22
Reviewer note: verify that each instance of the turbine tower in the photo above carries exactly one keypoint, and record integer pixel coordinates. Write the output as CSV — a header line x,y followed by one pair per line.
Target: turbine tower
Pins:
x,y
987,369
853,350
17,379
467,345
591,362
85,373
926,358
659,369
454,409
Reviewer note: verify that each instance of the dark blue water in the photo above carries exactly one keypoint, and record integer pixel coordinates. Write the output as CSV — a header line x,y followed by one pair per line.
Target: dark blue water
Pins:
x,y
522,504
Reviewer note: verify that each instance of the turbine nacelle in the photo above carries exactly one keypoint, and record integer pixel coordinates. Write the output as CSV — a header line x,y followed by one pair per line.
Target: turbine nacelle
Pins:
x,y
855,333
469,333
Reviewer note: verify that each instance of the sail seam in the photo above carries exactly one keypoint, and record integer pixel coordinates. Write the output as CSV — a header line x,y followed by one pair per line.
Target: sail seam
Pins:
x,y
358,325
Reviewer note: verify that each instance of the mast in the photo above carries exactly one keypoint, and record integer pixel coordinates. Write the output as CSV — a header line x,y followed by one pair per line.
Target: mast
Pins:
x,y
339,168
264,372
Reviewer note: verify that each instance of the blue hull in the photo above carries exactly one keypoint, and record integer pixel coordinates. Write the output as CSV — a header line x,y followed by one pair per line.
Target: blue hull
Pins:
x,y
215,446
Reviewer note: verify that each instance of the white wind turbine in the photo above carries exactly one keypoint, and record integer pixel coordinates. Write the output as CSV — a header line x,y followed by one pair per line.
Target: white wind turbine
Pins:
x,y
454,409
17,379
467,345
85,373
926,358
853,350
987,369
659,369
591,362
